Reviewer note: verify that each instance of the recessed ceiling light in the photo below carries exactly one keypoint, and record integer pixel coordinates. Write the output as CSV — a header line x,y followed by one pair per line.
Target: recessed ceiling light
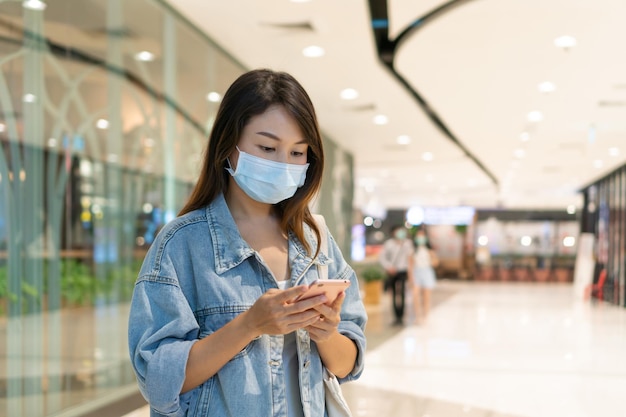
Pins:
x,y
535,116
614,151
519,153
565,42
524,136
213,97
102,124
546,87
29,98
144,56
349,94
571,209
313,51
381,119
403,139
598,163
34,4
427,156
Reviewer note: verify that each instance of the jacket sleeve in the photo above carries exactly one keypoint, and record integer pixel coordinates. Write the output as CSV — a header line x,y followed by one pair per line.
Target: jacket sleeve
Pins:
x,y
161,331
353,315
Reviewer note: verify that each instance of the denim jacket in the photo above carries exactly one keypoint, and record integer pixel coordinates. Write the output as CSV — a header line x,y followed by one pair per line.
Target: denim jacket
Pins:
x,y
198,275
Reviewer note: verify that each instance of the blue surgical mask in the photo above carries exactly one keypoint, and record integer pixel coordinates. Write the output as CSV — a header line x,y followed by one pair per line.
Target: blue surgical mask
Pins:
x,y
421,240
400,234
267,181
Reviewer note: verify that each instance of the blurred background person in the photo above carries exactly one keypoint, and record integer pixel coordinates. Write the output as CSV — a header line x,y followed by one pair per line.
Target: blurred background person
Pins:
x,y
394,258
422,276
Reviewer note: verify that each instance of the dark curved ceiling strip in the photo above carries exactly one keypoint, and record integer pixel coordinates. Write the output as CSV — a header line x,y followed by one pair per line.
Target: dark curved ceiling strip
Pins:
x,y
387,49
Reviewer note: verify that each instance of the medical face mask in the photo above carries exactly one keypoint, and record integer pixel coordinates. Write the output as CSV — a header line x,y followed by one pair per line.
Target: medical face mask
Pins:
x,y
267,181
421,240
400,234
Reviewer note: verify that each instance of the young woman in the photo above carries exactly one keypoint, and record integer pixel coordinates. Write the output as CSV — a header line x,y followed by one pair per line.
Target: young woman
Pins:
x,y
214,327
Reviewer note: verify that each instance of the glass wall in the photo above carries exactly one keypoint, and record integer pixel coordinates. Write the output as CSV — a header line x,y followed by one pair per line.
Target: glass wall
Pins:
x,y
605,217
104,109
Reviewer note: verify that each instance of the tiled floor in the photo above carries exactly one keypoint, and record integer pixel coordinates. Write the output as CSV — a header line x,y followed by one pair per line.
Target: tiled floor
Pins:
x,y
494,350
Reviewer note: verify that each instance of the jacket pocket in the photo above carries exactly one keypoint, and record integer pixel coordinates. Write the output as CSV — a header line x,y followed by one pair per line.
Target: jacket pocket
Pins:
x,y
212,319
201,399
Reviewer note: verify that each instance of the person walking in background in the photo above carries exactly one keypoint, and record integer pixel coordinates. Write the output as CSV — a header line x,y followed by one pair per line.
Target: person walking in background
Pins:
x,y
394,259
216,327
422,277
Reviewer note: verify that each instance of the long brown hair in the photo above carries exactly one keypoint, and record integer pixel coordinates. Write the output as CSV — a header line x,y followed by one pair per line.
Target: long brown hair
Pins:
x,y
250,95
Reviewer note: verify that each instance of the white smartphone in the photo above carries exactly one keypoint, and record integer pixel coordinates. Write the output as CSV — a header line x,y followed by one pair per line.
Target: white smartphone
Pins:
x,y
330,287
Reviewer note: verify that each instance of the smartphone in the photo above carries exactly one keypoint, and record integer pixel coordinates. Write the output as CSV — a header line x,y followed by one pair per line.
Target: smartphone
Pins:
x,y
330,287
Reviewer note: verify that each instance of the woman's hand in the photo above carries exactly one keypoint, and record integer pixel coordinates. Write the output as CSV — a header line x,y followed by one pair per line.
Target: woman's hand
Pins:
x,y
329,317
275,312
337,351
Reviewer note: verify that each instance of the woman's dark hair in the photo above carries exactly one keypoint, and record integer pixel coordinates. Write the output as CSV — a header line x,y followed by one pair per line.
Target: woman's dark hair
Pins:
x,y
250,95
423,229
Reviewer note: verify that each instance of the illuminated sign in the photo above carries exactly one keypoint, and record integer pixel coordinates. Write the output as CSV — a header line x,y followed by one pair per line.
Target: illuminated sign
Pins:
x,y
440,215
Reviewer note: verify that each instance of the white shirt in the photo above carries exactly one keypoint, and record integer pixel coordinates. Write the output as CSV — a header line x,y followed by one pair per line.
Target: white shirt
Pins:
x,y
396,253
290,367
422,257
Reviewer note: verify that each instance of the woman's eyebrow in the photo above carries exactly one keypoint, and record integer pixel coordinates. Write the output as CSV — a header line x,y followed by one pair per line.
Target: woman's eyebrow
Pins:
x,y
273,136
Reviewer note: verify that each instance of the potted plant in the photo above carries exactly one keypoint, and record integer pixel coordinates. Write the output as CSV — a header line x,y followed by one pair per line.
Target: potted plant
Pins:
x,y
4,289
373,277
77,284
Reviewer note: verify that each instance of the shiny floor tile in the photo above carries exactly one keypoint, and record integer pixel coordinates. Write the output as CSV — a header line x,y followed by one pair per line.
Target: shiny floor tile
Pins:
x,y
506,349
494,350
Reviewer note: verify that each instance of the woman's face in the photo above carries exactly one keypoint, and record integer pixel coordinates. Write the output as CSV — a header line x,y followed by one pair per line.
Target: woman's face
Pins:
x,y
273,135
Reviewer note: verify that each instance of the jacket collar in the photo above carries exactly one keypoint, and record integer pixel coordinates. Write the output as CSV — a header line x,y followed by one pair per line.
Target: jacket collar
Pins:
x,y
230,249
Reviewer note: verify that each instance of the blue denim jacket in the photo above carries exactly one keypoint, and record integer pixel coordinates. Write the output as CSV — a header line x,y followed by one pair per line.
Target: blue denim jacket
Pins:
x,y
198,275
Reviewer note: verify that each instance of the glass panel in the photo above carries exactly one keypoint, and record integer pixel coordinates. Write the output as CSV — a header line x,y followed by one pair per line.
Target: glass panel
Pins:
x,y
103,119
622,235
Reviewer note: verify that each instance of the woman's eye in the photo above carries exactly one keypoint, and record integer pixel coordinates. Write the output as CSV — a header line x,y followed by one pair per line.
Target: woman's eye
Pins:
x,y
266,149
294,153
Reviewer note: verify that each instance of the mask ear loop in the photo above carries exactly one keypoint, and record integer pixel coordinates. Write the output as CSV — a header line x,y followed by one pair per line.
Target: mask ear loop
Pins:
x,y
230,169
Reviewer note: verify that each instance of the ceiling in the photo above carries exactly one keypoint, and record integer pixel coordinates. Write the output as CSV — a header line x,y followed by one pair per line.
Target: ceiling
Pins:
x,y
478,65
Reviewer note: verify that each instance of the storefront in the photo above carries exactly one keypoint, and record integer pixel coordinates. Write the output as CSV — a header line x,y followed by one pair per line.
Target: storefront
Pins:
x,y
604,216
